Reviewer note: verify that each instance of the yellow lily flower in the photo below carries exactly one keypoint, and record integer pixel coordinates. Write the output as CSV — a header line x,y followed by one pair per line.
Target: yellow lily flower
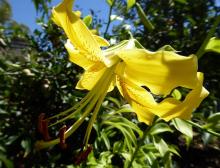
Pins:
x,y
131,69
160,71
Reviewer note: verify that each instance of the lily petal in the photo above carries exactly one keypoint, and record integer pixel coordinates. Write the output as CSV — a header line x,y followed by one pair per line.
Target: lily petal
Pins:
x,y
160,71
101,41
140,100
171,108
75,29
78,57
91,76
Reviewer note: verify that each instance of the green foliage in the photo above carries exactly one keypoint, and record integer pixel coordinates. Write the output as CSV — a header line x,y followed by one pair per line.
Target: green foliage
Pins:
x,y
213,45
130,3
5,11
87,20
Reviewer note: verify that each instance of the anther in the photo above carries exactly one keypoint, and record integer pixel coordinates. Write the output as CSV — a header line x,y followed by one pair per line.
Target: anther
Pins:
x,y
83,155
62,131
43,127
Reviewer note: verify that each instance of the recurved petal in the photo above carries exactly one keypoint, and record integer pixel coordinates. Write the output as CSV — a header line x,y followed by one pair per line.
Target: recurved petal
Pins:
x,y
141,101
143,114
78,57
171,108
160,71
79,35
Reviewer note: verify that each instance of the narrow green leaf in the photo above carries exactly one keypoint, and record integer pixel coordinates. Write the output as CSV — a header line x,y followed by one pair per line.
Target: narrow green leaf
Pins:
x,y
173,149
161,145
106,140
87,20
130,3
213,45
144,18
117,146
183,127
160,128
115,101
151,157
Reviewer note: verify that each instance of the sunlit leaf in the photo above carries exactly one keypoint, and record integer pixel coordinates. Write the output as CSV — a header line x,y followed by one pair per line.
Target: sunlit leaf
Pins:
x,y
176,94
130,3
160,128
87,20
183,127
213,45
161,145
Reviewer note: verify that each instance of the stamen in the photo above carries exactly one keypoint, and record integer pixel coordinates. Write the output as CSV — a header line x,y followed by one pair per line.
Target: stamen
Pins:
x,y
62,131
83,155
93,101
39,124
43,127
45,132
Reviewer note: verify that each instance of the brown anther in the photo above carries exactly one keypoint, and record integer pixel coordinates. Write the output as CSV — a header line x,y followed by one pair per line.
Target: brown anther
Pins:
x,y
39,124
45,132
83,155
62,131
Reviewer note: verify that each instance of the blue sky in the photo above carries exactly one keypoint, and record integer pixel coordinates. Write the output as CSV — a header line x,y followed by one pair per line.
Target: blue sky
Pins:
x,y
24,12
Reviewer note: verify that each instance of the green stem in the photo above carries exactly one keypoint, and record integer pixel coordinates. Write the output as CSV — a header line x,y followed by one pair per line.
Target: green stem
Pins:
x,y
203,128
201,50
109,18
